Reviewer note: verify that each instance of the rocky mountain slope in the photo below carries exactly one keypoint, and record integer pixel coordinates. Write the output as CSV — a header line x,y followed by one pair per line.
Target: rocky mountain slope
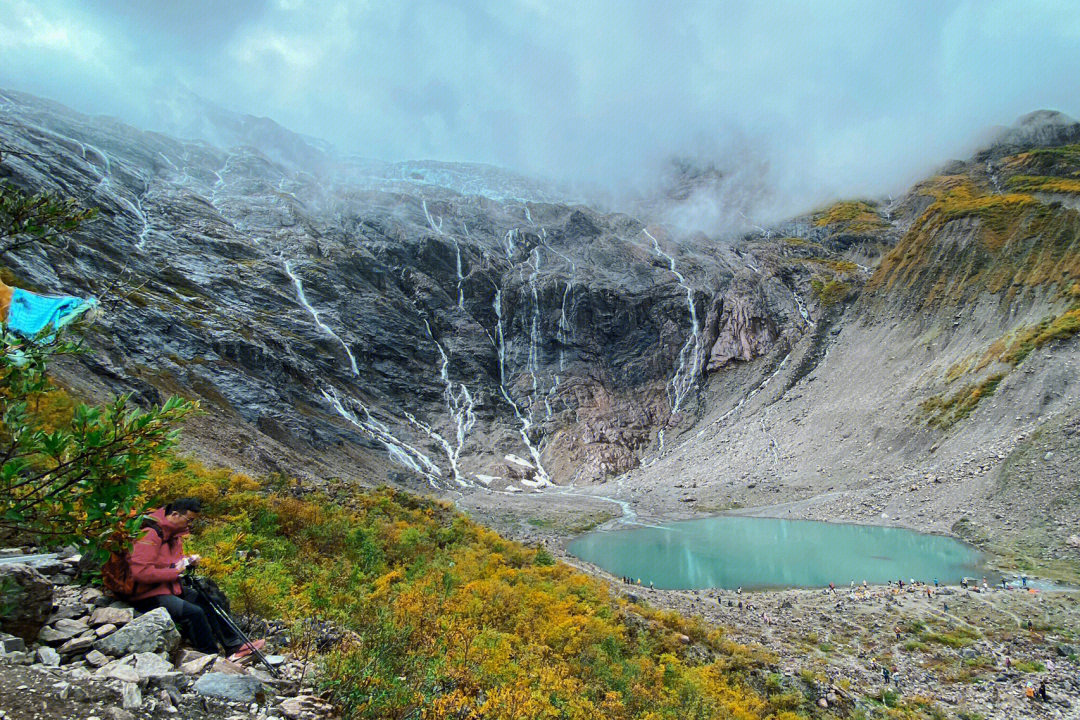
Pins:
x,y
469,339
459,328
942,396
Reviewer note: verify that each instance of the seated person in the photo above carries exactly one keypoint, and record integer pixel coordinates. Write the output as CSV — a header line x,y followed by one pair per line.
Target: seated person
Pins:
x,y
157,561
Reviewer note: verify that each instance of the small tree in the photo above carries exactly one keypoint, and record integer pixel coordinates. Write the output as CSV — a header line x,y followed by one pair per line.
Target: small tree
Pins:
x,y
72,481
36,218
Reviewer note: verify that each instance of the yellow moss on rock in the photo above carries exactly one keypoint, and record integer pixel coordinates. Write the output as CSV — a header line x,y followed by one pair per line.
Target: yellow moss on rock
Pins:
x,y
852,216
1020,243
1044,183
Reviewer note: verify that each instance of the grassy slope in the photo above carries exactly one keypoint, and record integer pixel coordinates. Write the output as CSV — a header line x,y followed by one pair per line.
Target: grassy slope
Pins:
x,y
451,619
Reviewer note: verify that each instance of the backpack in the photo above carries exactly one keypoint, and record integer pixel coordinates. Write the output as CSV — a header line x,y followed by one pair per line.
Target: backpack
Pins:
x,y
116,577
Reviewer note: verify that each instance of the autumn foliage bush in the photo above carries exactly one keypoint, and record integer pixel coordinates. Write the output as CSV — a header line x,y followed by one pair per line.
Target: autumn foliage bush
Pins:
x,y
447,618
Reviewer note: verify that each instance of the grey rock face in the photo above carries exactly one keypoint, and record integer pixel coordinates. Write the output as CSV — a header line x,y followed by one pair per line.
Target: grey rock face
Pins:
x,y
152,632
238,688
437,329
31,594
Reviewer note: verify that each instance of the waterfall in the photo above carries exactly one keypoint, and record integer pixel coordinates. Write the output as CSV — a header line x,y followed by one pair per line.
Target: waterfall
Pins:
x,y
508,242
220,182
459,403
315,315
565,330
457,249
524,420
534,327
170,162
400,452
993,177
802,309
105,185
685,378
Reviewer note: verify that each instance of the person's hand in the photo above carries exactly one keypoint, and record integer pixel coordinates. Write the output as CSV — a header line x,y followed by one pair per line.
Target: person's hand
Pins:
x,y
193,560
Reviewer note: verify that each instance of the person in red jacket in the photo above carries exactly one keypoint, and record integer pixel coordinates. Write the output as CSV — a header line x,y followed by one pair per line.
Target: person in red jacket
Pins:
x,y
157,560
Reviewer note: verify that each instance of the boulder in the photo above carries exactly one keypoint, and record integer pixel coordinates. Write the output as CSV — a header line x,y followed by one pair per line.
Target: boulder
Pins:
x,y
31,596
153,668
96,659
238,688
305,706
53,636
76,646
68,611
131,696
186,655
153,632
10,643
195,666
226,667
73,625
111,616
48,657
91,596
103,630
118,670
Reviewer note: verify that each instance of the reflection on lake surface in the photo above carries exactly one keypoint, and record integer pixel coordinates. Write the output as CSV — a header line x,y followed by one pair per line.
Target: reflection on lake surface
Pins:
x,y
729,552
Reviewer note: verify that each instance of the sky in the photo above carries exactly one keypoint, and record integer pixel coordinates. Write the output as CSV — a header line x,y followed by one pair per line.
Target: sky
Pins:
x,y
815,100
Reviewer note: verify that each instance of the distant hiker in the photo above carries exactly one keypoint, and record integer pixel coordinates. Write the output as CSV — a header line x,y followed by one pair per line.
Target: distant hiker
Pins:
x,y
946,607
1023,580
897,631
738,590
885,674
650,585
929,593
1029,691
935,582
1004,585
1029,624
1008,662
157,560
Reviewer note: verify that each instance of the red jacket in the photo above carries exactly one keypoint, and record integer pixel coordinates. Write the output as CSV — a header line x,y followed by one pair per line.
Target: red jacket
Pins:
x,y
154,558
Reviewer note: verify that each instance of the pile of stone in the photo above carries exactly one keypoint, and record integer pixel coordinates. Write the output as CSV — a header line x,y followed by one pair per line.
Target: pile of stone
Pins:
x,y
80,635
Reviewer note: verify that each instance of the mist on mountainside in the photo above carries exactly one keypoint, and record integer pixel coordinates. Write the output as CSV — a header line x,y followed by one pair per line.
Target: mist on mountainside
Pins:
x,y
779,108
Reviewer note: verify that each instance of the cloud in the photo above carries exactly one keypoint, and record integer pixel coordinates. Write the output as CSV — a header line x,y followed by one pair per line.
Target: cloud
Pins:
x,y
825,99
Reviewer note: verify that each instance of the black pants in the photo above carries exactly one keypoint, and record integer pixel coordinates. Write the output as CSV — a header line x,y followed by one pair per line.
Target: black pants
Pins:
x,y
199,624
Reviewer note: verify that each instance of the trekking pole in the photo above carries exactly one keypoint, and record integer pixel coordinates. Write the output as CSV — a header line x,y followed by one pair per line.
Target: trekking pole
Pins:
x,y
197,582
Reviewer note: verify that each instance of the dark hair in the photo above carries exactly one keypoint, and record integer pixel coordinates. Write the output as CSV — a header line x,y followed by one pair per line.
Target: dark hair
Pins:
x,y
188,504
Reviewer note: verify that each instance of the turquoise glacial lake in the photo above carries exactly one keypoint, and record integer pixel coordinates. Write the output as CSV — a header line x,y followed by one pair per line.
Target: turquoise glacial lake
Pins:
x,y
731,552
